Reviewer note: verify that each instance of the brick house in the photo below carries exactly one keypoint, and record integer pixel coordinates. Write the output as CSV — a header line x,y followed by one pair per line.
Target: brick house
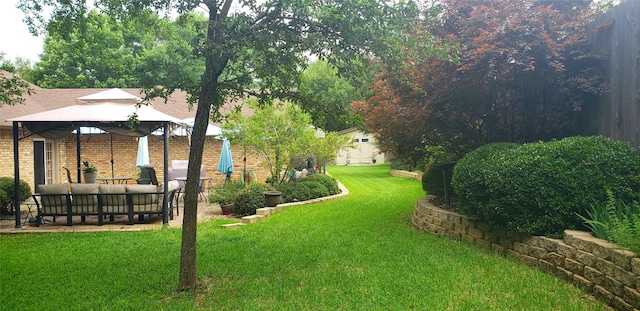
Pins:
x,y
45,158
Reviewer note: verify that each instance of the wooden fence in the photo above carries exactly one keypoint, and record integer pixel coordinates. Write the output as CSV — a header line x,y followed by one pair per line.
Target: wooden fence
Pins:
x,y
617,34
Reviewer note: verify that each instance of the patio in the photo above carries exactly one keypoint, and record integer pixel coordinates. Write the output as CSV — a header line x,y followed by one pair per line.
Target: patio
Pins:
x,y
206,211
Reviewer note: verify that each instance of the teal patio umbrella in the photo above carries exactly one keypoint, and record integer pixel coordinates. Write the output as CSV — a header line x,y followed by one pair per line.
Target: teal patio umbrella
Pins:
x,y
225,164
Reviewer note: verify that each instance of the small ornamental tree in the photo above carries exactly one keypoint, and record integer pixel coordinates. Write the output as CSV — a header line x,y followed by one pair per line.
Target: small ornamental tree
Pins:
x,y
280,134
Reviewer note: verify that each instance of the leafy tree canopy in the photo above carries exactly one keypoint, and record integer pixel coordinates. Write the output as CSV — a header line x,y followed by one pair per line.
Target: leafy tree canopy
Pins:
x,y
12,87
525,70
143,51
327,97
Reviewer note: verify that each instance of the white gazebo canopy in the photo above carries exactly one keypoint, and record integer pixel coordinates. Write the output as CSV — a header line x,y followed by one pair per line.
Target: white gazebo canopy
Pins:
x,y
110,111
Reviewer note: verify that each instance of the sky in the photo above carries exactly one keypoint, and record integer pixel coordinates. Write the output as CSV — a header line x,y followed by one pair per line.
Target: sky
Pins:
x,y
15,39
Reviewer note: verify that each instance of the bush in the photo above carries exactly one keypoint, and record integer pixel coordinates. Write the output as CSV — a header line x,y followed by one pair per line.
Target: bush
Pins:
x,y
304,190
226,193
250,199
540,188
329,182
7,193
436,177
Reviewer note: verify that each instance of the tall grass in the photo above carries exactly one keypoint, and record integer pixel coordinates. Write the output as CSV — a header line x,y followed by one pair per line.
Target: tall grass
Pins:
x,y
358,252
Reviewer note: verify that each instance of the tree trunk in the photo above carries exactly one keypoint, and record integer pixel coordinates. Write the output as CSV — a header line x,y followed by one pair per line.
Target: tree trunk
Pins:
x,y
214,65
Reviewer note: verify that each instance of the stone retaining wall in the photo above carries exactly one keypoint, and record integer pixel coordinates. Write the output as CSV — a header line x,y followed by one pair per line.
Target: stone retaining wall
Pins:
x,y
406,174
604,269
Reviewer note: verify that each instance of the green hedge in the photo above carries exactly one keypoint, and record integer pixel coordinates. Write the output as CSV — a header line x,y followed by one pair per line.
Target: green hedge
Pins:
x,y
540,188
7,193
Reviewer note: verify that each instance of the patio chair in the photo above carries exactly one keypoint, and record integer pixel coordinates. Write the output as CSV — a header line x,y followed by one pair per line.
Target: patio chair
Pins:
x,y
152,176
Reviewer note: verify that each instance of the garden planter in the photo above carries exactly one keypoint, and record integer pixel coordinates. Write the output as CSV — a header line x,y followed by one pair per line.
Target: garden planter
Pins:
x,y
90,178
227,209
272,198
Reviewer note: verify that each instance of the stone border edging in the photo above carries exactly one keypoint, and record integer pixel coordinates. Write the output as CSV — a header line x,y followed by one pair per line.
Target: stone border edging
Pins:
x,y
263,213
611,273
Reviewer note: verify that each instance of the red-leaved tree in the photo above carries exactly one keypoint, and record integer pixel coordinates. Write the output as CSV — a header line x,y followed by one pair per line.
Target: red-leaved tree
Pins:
x,y
525,70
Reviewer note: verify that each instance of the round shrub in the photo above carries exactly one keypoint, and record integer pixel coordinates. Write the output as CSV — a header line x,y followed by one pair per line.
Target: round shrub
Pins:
x,y
7,186
250,199
541,188
303,190
329,182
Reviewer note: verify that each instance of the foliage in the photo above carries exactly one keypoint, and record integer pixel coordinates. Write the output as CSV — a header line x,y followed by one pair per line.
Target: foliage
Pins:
x,y
139,52
540,188
88,168
7,193
253,48
303,190
143,51
226,193
615,221
525,70
250,199
326,180
12,87
436,179
280,135
327,97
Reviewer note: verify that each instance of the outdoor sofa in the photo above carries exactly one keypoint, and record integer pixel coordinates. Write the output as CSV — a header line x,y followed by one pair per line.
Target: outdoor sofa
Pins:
x,y
68,200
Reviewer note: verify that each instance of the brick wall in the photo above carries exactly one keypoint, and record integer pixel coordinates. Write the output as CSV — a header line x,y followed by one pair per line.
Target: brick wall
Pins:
x,y
97,150
612,274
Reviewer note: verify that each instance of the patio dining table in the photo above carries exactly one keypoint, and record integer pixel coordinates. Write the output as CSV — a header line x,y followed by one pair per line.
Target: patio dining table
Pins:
x,y
203,180
113,180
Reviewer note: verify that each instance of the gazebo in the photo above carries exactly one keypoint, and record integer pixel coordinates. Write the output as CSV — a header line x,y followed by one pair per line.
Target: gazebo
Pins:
x,y
110,111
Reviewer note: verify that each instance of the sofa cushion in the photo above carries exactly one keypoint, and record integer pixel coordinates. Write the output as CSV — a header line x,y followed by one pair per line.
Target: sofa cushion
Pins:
x,y
54,201
53,189
111,199
80,198
145,198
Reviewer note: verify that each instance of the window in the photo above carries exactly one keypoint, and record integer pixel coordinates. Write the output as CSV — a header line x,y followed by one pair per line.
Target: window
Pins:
x,y
365,140
356,140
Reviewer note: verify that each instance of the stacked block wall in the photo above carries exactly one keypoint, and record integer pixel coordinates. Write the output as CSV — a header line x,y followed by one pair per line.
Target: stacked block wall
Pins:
x,y
609,272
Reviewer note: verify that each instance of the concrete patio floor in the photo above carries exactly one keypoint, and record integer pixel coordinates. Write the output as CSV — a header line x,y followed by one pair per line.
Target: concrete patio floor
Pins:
x,y
206,211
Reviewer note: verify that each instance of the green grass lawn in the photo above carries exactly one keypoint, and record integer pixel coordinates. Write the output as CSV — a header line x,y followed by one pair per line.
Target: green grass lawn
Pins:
x,y
358,252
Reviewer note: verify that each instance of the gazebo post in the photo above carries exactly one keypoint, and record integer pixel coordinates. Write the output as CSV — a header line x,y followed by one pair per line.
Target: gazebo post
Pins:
x,y
78,168
16,173
165,205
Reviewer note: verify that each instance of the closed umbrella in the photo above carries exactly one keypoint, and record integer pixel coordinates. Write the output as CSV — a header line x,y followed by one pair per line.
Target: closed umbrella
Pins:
x,y
143,152
225,164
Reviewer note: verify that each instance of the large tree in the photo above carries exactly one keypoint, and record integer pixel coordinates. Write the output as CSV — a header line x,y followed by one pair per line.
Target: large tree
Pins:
x,y
248,43
12,87
98,50
327,97
525,70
